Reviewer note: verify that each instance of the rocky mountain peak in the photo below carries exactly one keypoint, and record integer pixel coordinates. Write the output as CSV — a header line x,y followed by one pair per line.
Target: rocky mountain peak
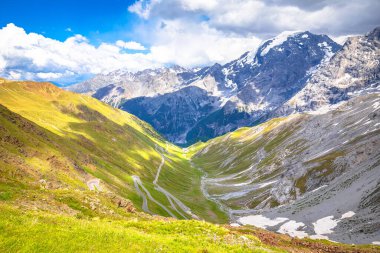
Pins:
x,y
236,94
353,70
374,34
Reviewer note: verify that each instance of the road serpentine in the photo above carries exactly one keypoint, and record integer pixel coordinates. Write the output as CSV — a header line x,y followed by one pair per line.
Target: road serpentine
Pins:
x,y
137,181
204,180
172,199
139,184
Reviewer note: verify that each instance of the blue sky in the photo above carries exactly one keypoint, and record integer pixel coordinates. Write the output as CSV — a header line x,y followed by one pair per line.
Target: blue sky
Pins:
x,y
69,41
99,21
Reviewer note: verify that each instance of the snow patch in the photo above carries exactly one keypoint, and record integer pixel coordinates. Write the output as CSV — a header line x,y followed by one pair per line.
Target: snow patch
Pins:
x,y
349,214
322,227
317,237
291,228
261,221
281,38
323,186
325,225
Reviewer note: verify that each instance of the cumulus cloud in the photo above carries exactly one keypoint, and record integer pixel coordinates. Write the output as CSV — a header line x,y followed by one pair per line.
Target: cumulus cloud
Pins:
x,y
143,7
198,32
189,44
184,32
33,56
263,18
133,45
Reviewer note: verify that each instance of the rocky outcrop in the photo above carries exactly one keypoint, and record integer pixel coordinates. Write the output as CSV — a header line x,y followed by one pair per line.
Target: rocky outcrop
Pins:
x,y
353,70
292,72
301,173
239,93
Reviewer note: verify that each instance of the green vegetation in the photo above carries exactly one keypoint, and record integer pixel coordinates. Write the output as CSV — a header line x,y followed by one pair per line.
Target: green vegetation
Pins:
x,y
321,167
43,232
56,139
236,152
54,143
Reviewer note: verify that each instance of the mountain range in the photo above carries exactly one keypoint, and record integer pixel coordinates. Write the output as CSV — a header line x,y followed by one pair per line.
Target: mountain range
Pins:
x,y
277,79
283,141
240,92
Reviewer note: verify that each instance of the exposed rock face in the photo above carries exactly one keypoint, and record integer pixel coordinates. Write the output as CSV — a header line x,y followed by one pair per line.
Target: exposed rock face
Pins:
x,y
261,81
126,204
353,70
301,169
239,93
122,84
172,114
293,72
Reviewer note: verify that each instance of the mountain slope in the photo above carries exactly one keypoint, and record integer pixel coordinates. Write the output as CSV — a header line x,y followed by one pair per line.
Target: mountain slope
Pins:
x,y
236,94
172,114
265,79
149,82
291,174
66,179
38,231
61,140
74,172
353,70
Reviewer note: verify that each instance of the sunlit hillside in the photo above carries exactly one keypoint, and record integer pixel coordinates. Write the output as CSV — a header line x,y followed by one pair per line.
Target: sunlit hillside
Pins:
x,y
66,142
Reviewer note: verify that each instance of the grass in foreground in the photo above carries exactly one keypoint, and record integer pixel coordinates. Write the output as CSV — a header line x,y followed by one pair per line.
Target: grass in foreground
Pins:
x,y
33,231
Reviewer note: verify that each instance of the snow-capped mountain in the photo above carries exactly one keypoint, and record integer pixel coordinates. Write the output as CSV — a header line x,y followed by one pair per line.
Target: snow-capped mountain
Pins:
x,y
187,105
122,84
352,71
263,80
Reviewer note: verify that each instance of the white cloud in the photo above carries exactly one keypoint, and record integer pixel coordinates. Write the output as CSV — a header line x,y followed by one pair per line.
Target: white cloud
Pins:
x,y
33,56
143,7
339,17
133,45
194,5
50,76
342,39
189,44
183,32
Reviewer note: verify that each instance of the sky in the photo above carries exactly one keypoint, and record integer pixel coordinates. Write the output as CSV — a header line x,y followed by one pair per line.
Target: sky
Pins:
x,y
69,41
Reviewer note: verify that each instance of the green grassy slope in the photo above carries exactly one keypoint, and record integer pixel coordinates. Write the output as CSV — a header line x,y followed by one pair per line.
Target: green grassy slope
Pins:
x,y
59,140
53,142
229,156
36,231
302,151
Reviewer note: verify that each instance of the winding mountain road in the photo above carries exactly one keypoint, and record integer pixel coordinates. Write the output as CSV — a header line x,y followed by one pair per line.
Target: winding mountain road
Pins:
x,y
204,180
139,184
174,202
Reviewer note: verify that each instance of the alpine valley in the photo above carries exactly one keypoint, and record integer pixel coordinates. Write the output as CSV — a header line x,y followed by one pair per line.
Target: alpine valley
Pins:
x,y
276,151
